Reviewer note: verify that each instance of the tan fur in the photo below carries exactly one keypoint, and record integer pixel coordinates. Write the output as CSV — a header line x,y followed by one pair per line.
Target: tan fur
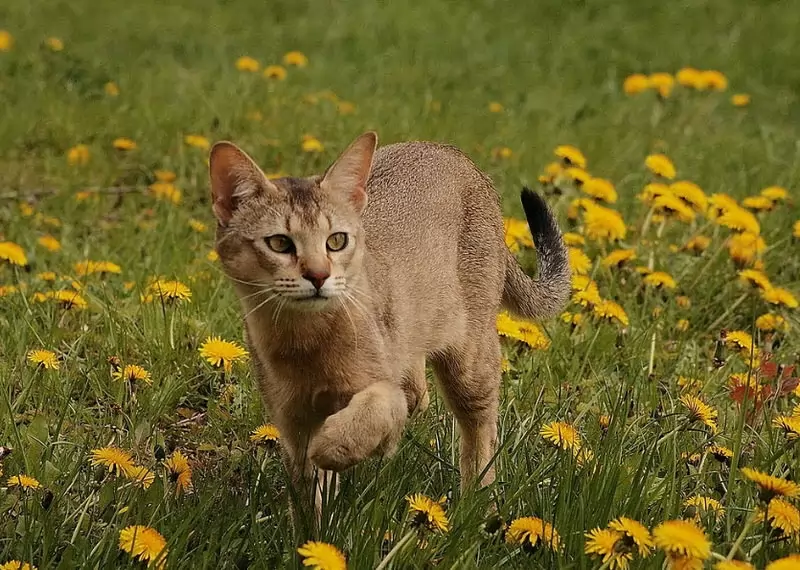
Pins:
x,y
423,278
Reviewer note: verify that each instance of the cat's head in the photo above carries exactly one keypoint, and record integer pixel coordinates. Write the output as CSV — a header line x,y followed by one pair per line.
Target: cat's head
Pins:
x,y
294,242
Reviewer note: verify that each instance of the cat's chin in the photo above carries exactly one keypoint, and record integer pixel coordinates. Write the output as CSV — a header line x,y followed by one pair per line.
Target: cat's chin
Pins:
x,y
312,304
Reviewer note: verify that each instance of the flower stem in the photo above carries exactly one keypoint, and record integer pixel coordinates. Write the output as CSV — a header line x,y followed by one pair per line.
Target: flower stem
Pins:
x,y
396,550
742,535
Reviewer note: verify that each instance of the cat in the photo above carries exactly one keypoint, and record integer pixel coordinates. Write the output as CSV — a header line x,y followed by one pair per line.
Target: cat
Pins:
x,y
351,280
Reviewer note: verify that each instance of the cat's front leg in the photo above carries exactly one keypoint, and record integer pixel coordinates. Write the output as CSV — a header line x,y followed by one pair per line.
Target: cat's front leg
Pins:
x,y
370,424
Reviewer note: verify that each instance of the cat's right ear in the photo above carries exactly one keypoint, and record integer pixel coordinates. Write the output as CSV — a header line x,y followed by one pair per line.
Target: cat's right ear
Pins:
x,y
234,175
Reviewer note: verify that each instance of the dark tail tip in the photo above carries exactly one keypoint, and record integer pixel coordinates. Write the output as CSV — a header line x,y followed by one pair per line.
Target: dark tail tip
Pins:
x,y
538,214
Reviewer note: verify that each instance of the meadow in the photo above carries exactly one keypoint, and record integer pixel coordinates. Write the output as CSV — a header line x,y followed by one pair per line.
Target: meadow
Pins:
x,y
653,424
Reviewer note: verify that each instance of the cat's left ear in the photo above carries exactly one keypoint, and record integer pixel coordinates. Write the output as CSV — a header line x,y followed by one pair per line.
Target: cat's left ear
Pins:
x,y
349,174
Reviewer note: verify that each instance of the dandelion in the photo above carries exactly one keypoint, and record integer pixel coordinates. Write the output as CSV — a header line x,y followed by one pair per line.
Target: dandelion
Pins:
x,y
605,543
634,533
165,176
790,426
741,220
123,143
78,155
579,262
697,504
117,461
713,79
782,515
49,243
54,44
180,472
771,322
322,556
660,165
522,331
495,107
275,72
198,226
571,155
754,278
142,477
601,223
758,203
247,63
682,325
636,83
427,513
779,296
295,58
578,176
12,253
601,189
221,353
697,244
516,234
561,434
88,267
266,433
775,193
529,532
612,311
212,255
6,290
671,205
733,565
133,373
744,247
770,486
41,358
311,144
145,544
691,194
15,564
660,279
740,100
167,290
684,543
662,82
111,89
791,562
698,410
23,482
6,40
66,298
197,141
165,191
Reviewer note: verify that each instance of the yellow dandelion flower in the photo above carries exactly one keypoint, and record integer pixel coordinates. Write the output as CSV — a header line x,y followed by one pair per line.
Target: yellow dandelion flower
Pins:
x,y
118,461
49,243
322,556
165,191
606,544
12,253
6,290
311,144
745,247
771,322
579,205
198,226
221,353
88,267
523,331
758,203
634,533
601,189
529,532
145,544
180,472
652,191
41,358
275,72
78,155
266,433
425,512
740,220
754,278
133,373
697,244
502,152
577,176
713,79
197,141
247,63
636,83
618,257
660,279
111,89
123,143
571,155
141,477
295,58
662,82
601,223
14,564
572,239
697,504
23,482
733,565
495,107
688,77
771,486
791,562
681,538
740,340
67,299
682,325
587,298
691,194
165,176
720,203
779,296
698,410
688,384
516,234
612,311
54,44
775,193
790,426
212,255
660,165
670,205
740,99
6,40
561,434
579,262
168,291
683,301
782,515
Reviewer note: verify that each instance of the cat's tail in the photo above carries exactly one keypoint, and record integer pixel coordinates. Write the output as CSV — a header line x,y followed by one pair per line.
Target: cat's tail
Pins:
x,y
546,296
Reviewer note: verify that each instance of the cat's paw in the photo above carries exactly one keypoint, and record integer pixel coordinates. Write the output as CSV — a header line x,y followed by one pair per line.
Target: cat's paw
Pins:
x,y
339,445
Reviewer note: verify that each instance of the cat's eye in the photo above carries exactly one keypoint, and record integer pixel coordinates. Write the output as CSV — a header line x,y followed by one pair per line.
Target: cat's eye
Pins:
x,y
337,241
279,244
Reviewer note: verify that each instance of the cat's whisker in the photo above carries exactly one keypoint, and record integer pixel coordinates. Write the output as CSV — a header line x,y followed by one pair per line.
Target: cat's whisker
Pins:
x,y
261,292
261,304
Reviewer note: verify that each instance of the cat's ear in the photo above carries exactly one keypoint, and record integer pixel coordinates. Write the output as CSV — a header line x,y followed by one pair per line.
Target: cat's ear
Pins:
x,y
234,176
349,174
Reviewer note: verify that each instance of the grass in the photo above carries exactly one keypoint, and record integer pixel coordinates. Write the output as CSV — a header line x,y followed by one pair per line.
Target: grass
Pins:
x,y
418,71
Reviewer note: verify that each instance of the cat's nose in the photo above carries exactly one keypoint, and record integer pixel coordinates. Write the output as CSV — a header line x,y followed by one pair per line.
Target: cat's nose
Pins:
x,y
317,278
